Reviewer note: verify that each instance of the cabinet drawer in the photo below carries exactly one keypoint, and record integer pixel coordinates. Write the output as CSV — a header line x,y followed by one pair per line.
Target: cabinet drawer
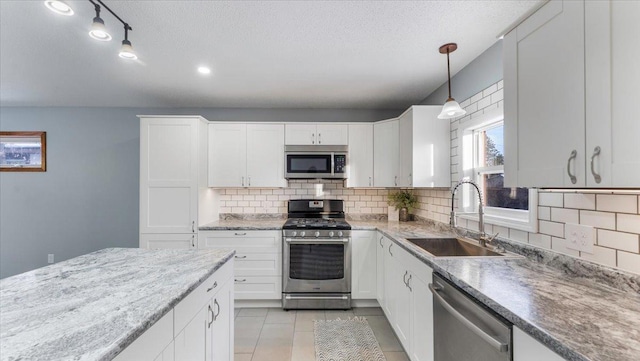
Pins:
x,y
151,343
258,264
190,305
258,288
243,241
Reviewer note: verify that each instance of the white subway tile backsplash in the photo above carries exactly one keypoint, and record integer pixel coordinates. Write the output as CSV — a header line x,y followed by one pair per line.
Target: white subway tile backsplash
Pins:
x,y
551,228
564,215
484,102
598,219
560,245
623,241
550,199
476,97
629,262
601,255
540,240
519,236
497,96
617,203
501,84
544,213
580,201
628,223
491,89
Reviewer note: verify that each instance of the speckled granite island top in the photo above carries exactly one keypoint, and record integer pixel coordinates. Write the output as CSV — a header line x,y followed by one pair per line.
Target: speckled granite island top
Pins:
x,y
93,306
565,306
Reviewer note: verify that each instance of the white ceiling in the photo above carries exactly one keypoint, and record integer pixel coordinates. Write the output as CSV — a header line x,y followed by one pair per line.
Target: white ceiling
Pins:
x,y
274,54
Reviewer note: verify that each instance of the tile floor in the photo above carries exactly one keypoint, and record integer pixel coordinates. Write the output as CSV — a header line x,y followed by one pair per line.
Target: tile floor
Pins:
x,y
271,334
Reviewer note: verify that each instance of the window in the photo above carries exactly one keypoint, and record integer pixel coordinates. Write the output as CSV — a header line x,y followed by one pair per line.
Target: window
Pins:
x,y
483,156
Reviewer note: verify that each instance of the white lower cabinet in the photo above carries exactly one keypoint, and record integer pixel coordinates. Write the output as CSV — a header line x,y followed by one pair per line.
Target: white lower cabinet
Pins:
x,y
258,261
380,269
168,241
363,269
526,348
405,298
200,327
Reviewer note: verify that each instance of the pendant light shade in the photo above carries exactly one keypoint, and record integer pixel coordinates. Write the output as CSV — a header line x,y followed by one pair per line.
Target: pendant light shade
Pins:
x,y
59,7
126,51
451,108
98,30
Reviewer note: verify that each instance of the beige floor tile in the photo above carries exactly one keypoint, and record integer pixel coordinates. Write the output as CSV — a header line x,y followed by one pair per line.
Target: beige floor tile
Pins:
x,y
242,357
247,333
275,343
253,312
304,320
278,315
384,333
303,347
394,356
332,315
368,311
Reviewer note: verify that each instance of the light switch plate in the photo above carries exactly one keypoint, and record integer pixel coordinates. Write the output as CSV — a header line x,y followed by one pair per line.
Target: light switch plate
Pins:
x,y
579,237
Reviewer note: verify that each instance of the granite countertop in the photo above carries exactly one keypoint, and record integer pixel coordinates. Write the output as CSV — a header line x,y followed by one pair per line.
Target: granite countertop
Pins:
x,y
93,306
241,224
565,306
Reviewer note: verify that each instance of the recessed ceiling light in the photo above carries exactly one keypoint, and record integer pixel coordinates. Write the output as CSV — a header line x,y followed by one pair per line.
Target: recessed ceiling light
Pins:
x,y
59,7
204,70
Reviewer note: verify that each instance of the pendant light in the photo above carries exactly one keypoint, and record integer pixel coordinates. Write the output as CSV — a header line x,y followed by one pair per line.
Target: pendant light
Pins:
x,y
451,108
126,50
59,7
98,31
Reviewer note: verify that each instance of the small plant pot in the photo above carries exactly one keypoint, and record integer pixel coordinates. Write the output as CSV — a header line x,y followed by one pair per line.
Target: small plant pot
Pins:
x,y
404,215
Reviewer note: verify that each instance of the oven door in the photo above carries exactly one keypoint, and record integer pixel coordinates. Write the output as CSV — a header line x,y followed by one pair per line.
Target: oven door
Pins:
x,y
317,265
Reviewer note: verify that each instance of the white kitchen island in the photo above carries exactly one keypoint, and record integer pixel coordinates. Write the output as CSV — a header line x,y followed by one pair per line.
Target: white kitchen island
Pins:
x,y
123,304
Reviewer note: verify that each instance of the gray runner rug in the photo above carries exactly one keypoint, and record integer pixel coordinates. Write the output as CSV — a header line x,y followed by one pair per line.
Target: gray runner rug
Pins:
x,y
346,340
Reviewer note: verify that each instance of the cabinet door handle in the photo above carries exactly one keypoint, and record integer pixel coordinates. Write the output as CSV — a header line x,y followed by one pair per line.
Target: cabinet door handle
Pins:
x,y
240,234
215,284
390,249
381,245
193,226
215,315
319,138
409,284
243,181
241,257
395,181
240,281
313,141
409,179
249,179
573,156
404,278
369,181
193,240
596,176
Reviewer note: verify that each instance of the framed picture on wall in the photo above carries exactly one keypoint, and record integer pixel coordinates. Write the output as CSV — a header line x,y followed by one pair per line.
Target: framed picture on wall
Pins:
x,y
23,151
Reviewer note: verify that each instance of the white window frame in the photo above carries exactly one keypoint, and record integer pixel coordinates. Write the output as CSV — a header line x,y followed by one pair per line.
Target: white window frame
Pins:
x,y
468,201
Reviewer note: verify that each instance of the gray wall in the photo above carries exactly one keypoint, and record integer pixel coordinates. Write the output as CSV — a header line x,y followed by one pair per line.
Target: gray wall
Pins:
x,y
88,197
483,71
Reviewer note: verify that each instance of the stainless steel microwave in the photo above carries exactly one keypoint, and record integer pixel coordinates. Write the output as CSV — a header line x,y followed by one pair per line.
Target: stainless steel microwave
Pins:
x,y
315,161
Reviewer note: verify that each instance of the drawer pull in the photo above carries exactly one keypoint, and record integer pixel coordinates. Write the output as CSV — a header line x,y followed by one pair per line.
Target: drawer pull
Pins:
x,y
215,284
573,156
215,315
240,281
596,176
241,234
241,257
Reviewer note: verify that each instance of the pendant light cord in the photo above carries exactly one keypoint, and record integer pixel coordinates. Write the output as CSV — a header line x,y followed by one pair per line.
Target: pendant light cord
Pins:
x,y
449,75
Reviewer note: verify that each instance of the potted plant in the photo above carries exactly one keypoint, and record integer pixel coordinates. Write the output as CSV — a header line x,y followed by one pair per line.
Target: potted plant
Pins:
x,y
404,201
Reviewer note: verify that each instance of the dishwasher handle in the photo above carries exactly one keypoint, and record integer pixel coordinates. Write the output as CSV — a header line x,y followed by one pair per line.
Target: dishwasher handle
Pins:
x,y
500,346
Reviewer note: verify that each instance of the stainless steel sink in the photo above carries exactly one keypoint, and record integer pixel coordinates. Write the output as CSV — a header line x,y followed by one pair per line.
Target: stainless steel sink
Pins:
x,y
452,247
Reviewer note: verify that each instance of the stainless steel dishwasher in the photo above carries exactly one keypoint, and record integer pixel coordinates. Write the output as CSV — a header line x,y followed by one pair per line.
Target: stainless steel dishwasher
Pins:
x,y
465,330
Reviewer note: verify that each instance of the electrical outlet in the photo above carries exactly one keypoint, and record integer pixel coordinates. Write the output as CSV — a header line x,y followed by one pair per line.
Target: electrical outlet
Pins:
x,y
50,258
579,237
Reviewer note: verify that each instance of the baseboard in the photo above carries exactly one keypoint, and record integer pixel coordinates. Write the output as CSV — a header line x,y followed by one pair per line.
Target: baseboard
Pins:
x,y
364,303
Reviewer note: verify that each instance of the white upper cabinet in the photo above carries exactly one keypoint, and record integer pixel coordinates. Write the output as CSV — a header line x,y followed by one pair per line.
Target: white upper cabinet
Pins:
x,y
246,155
168,174
571,80
612,54
316,134
360,155
265,155
386,153
227,155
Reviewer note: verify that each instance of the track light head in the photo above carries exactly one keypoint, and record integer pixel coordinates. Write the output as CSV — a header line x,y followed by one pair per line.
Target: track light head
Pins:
x,y
59,7
98,30
126,51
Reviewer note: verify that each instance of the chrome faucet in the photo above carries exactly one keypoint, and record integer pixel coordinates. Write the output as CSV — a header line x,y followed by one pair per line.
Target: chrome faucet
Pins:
x,y
483,236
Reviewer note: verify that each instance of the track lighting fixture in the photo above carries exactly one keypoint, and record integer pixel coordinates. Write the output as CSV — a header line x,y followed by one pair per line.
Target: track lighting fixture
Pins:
x,y
126,50
451,108
59,7
98,30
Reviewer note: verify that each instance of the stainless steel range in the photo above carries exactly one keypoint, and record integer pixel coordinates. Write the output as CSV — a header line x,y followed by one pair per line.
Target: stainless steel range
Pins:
x,y
316,256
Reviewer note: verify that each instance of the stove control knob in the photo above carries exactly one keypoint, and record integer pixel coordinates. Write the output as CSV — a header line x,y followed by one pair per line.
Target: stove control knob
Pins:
x,y
331,234
294,233
340,234
317,234
302,234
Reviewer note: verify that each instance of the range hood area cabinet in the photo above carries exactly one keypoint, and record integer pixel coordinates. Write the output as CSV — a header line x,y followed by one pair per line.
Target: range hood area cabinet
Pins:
x,y
316,134
413,150
246,155
360,161
572,84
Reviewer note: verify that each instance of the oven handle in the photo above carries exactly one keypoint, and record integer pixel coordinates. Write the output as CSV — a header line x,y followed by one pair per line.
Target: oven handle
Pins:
x,y
310,297
316,241
501,347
